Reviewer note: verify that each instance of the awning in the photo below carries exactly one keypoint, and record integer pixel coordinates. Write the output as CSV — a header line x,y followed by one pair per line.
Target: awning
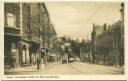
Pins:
x,y
14,35
29,41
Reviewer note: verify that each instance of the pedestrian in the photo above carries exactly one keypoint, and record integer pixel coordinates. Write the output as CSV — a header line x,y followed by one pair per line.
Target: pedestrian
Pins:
x,y
38,64
13,60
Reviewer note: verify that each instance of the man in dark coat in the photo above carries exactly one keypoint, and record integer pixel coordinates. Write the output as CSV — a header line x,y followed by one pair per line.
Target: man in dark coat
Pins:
x,y
38,64
13,60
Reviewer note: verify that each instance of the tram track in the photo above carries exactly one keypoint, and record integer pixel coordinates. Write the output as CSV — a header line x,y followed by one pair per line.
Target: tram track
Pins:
x,y
82,70
95,70
76,68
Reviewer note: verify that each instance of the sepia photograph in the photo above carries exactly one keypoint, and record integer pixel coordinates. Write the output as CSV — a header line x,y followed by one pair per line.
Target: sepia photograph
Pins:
x,y
64,38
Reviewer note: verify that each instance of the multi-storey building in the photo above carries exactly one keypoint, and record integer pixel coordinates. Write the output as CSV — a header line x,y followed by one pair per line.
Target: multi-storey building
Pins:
x,y
97,30
27,29
108,46
12,32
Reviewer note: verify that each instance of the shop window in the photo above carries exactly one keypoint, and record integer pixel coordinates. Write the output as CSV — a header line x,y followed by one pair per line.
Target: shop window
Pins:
x,y
11,20
13,46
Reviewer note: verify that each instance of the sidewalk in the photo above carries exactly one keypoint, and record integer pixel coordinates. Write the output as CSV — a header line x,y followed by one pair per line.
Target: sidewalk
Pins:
x,y
30,68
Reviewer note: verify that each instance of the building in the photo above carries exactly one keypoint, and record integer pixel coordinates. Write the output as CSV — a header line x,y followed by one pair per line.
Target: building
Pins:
x,y
12,33
97,30
108,43
27,29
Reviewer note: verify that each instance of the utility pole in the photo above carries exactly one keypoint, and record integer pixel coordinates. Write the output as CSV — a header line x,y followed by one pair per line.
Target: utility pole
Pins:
x,y
39,36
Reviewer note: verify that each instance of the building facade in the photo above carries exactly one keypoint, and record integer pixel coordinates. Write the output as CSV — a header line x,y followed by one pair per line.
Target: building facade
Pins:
x,y
27,29
108,46
12,33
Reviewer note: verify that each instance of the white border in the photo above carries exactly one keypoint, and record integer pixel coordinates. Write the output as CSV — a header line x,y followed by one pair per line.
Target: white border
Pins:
x,y
1,38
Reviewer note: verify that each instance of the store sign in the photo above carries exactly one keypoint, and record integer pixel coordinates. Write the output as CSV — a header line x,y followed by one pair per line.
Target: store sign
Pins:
x,y
14,50
14,53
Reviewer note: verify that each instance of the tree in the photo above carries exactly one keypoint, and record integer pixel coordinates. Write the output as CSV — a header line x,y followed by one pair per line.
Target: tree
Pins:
x,y
75,47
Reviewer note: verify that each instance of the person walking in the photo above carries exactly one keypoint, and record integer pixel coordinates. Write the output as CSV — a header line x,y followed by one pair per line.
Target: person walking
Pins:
x,y
13,60
38,64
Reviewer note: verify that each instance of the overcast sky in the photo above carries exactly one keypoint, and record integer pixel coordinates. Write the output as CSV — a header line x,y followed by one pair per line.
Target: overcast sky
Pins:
x,y
75,19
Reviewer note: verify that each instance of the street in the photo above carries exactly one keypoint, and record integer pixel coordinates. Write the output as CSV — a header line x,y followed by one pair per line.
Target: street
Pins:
x,y
75,68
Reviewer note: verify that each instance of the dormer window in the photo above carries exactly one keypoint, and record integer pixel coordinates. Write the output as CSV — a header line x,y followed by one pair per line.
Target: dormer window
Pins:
x,y
11,20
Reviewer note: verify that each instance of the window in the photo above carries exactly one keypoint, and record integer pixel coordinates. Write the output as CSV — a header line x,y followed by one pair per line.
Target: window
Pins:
x,y
11,20
13,46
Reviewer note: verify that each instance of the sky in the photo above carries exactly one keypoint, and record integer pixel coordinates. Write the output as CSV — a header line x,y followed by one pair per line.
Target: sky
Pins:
x,y
75,19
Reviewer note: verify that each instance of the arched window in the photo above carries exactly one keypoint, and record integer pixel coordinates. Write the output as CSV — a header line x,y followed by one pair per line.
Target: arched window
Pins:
x,y
11,20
